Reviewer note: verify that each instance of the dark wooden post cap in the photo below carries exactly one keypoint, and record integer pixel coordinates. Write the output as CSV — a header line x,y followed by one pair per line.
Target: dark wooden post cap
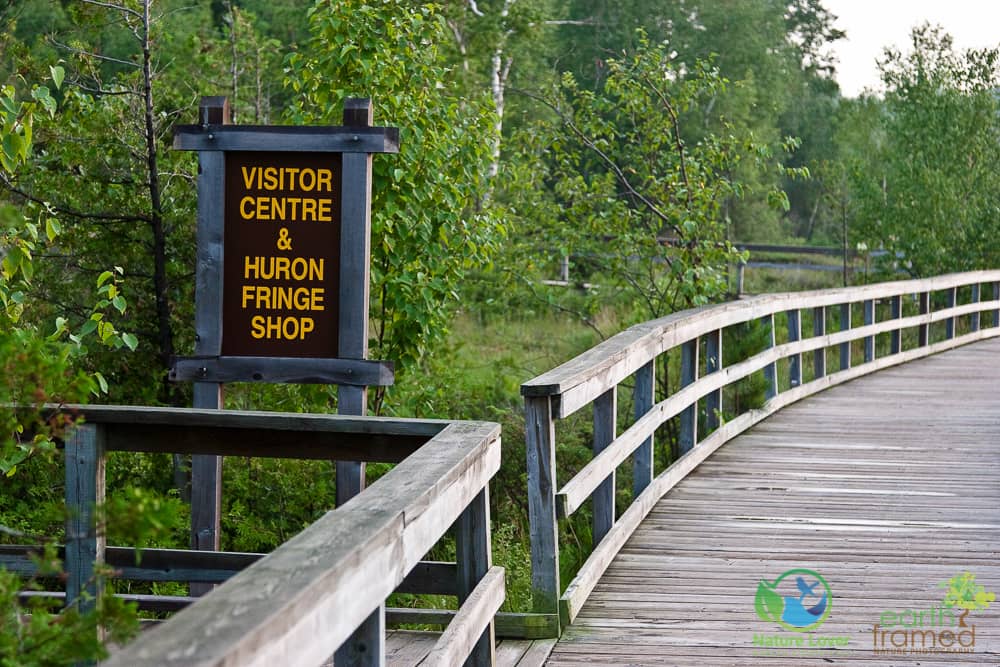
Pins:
x,y
358,112
214,110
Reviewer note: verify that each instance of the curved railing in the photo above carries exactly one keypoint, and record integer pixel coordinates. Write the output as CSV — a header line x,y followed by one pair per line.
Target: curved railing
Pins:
x,y
951,303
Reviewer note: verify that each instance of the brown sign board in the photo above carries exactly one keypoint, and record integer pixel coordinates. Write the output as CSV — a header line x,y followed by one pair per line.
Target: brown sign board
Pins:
x,y
281,269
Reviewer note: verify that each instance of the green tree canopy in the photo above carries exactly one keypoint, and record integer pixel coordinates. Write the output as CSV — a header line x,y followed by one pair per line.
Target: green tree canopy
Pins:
x,y
430,222
928,195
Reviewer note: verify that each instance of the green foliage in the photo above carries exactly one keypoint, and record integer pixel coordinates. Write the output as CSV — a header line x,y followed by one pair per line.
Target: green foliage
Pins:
x,y
38,369
34,634
429,223
266,503
254,65
610,179
140,517
927,194
776,55
19,237
33,372
39,631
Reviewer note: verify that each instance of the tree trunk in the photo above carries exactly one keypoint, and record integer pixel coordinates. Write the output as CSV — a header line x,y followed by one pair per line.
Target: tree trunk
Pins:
x,y
165,334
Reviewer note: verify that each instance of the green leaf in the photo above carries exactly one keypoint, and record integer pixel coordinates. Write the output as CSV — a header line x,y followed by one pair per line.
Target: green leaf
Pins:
x,y
131,342
104,277
58,73
768,603
52,228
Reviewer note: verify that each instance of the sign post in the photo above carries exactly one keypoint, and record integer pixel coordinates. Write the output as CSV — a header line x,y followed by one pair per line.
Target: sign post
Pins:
x,y
206,471
367,644
284,226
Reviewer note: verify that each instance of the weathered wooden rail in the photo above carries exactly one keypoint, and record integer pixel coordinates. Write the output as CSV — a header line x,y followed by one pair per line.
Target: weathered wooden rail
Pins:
x,y
952,307
301,603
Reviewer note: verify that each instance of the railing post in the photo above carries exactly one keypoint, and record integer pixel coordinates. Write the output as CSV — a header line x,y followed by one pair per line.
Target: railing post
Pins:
x,y
996,296
895,336
474,558
713,364
974,318
819,329
643,399
949,302
605,414
795,360
85,540
924,330
688,436
540,440
869,307
845,347
771,370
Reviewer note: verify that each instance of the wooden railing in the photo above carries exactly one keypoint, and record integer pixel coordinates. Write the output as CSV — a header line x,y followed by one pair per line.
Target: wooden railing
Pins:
x,y
305,601
592,379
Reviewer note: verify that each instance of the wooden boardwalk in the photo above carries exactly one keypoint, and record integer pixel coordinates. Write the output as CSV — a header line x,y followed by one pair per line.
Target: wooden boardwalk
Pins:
x,y
886,486
406,648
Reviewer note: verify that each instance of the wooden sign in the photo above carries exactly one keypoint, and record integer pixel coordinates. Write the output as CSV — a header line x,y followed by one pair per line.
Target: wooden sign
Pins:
x,y
283,250
282,265
281,286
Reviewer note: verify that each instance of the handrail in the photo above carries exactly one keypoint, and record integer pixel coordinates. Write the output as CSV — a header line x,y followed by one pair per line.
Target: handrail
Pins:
x,y
302,602
593,378
579,381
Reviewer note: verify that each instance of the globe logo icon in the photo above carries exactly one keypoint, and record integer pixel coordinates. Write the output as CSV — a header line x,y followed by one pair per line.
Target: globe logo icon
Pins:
x,y
798,600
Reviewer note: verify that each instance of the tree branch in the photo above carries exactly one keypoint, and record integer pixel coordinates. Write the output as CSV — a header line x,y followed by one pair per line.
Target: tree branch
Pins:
x,y
474,8
80,215
102,91
678,142
611,164
98,56
118,8
586,21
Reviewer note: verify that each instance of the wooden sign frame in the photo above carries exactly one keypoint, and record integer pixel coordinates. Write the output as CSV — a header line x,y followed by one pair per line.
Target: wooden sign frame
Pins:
x,y
208,369
355,141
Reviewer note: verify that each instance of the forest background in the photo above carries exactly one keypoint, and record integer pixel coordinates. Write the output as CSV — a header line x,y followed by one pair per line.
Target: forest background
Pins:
x,y
636,141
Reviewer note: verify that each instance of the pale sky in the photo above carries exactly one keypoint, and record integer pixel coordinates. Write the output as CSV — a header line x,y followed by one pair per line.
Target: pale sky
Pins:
x,y
872,25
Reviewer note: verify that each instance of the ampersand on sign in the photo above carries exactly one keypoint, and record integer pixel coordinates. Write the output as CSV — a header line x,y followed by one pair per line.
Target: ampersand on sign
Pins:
x,y
284,242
